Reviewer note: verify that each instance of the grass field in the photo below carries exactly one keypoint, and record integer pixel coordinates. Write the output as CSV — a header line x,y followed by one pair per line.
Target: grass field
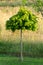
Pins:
x,y
16,61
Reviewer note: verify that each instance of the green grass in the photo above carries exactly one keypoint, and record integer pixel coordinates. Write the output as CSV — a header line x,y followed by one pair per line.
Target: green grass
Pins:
x,y
16,61
29,49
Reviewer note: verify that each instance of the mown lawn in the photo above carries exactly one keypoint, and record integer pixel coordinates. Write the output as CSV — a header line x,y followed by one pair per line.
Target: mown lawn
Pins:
x,y
5,60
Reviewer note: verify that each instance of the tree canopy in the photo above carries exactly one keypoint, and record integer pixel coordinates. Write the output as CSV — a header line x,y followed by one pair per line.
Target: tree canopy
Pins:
x,y
24,19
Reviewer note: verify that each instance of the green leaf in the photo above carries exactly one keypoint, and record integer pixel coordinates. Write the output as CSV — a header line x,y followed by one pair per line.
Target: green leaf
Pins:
x,y
24,19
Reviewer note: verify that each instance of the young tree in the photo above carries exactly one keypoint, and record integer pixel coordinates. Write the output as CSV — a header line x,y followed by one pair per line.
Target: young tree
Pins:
x,y
24,19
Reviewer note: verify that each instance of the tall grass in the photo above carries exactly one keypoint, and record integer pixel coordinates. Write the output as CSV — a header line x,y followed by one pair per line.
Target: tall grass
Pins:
x,y
37,5
29,49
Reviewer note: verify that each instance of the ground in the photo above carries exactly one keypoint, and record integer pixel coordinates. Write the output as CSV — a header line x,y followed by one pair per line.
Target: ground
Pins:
x,y
5,60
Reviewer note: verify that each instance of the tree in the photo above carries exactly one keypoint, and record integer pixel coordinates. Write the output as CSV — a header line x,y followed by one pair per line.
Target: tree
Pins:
x,y
38,5
24,2
0,30
24,19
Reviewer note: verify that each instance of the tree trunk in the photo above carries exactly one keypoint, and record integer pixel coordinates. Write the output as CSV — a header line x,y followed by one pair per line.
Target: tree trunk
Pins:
x,y
21,45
